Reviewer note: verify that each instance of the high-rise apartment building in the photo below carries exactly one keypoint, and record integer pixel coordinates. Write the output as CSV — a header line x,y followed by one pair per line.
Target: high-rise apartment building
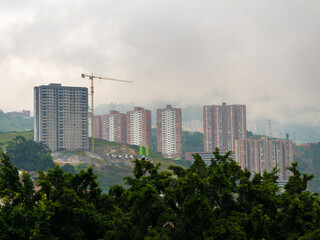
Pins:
x,y
98,126
139,127
61,116
223,124
114,127
169,127
262,154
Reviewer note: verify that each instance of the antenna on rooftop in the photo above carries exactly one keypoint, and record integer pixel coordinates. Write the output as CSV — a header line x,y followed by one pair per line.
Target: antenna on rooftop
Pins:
x,y
270,128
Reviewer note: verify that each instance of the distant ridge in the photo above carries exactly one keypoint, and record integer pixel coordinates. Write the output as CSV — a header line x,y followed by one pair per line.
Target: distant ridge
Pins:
x,y
9,123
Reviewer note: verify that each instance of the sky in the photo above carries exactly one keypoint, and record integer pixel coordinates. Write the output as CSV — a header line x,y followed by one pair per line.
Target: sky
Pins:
x,y
264,54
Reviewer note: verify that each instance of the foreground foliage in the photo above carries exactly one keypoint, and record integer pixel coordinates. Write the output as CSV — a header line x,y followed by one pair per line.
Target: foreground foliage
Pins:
x,y
220,201
308,157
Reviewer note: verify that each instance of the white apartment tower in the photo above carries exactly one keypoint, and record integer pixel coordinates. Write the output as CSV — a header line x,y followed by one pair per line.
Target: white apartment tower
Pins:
x,y
61,116
169,128
139,127
114,127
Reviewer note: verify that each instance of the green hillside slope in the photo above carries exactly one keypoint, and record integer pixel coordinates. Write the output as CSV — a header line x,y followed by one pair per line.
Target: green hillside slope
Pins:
x,y
110,174
309,162
14,124
6,137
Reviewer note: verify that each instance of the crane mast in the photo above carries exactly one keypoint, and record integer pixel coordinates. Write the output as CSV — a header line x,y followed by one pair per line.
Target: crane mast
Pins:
x,y
92,77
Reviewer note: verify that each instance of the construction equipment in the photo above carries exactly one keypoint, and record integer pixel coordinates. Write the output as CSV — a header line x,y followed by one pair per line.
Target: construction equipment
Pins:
x,y
91,77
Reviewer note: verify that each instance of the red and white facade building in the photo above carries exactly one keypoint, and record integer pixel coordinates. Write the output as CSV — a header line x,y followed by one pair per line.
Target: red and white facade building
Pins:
x,y
139,127
97,126
169,132
114,127
223,124
262,154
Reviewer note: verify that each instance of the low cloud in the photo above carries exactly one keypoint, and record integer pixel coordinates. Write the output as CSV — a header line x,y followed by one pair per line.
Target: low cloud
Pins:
x,y
264,54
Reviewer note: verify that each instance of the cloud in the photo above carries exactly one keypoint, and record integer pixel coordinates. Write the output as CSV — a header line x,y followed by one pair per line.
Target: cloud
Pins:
x,y
264,54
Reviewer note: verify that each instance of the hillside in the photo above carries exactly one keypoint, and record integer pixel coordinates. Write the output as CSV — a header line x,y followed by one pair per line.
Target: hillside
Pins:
x,y
111,169
308,157
6,137
121,164
111,161
9,123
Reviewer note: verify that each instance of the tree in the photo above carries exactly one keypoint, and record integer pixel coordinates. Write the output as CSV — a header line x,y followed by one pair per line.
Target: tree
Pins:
x,y
299,208
21,216
219,201
10,185
29,155
68,168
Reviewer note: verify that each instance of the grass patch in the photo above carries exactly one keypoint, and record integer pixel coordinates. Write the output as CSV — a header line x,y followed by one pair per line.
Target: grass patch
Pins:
x,y
103,143
112,175
81,166
7,137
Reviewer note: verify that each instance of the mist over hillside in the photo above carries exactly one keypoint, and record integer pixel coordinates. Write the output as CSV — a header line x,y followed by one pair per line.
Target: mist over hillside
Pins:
x,y
299,133
259,126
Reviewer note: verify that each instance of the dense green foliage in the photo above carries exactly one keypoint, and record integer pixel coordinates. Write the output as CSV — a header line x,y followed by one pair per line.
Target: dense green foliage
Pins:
x,y
68,168
29,155
220,201
9,123
309,162
192,141
154,139
7,137
111,175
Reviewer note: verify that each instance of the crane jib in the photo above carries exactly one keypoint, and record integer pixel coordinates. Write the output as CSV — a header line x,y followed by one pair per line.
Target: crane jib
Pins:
x,y
92,77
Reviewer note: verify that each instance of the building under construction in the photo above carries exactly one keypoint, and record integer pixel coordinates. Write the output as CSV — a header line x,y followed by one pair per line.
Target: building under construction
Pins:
x,y
61,117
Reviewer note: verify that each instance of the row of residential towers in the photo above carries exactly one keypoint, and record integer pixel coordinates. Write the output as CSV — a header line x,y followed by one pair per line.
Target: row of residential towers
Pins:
x,y
135,128
225,128
61,121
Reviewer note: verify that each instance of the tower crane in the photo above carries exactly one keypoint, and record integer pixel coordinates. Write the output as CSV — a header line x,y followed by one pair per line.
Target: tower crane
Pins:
x,y
92,77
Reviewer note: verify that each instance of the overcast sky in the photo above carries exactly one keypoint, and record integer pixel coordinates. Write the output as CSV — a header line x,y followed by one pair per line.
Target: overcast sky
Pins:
x,y
265,54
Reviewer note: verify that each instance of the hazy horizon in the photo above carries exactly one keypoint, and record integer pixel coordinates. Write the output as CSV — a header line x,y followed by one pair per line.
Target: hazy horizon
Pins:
x,y
264,54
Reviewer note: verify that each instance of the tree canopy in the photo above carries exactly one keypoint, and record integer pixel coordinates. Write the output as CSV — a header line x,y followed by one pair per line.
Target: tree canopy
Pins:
x,y
219,201
29,155
308,157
